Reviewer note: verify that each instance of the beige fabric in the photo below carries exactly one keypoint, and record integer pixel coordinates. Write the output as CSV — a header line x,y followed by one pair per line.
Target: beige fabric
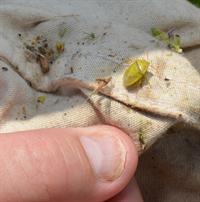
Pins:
x,y
122,33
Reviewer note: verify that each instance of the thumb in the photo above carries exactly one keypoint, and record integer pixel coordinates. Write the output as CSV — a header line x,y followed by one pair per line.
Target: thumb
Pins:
x,y
73,164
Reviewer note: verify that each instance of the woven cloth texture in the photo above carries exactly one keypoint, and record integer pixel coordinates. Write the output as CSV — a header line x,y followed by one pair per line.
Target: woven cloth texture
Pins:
x,y
100,40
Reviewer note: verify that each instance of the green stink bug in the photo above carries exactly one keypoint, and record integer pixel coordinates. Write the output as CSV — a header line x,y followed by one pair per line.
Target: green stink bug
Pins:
x,y
135,72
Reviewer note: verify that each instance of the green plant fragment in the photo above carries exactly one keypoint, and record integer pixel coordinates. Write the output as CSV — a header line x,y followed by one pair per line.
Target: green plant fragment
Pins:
x,y
62,32
60,47
41,99
91,35
162,36
173,41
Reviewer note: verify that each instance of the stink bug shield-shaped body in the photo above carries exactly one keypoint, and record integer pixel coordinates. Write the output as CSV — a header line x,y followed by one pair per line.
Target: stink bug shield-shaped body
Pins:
x,y
135,72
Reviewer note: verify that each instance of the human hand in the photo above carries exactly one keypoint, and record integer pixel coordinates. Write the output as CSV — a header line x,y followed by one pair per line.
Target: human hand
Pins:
x,y
92,164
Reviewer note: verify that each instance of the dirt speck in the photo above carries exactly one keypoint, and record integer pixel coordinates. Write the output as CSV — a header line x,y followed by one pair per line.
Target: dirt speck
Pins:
x,y
5,69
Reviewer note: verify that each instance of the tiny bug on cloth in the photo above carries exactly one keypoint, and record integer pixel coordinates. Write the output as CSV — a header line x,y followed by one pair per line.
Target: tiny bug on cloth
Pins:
x,y
135,72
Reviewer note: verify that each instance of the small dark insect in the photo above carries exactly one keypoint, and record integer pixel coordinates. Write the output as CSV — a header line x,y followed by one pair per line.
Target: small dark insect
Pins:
x,y
5,69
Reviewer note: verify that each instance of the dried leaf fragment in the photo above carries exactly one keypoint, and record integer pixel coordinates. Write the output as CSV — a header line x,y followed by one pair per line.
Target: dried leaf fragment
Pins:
x,y
44,63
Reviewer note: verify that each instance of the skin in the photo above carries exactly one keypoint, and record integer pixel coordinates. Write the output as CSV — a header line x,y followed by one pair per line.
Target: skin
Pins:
x,y
54,165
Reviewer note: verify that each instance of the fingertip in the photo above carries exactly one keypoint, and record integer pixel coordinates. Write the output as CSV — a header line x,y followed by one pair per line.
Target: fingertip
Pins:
x,y
129,194
95,162
111,187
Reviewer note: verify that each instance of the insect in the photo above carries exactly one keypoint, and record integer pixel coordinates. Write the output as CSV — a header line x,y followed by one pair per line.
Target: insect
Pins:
x,y
135,72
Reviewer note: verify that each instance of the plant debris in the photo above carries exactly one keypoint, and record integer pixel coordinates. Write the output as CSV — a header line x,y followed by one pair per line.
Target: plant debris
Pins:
x,y
44,63
90,36
135,72
60,47
38,50
41,99
102,82
141,136
24,111
172,40
62,32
